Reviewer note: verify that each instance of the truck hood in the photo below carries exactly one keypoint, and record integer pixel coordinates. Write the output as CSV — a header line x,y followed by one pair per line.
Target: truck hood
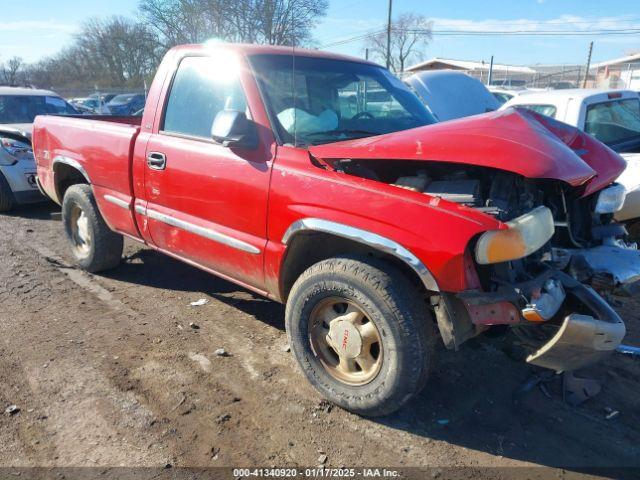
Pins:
x,y
514,140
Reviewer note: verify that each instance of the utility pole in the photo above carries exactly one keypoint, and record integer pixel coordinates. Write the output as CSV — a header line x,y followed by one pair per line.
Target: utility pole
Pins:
x,y
586,74
490,76
389,35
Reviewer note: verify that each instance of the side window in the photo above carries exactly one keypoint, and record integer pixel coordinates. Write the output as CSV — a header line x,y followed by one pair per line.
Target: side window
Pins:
x,y
548,110
199,91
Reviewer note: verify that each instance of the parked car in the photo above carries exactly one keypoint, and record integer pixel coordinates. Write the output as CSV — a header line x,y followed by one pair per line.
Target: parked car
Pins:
x,y
377,231
503,95
509,83
611,116
126,104
450,94
103,97
99,102
83,109
18,108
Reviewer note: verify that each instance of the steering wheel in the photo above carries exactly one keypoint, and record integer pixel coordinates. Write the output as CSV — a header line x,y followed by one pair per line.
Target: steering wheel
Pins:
x,y
362,114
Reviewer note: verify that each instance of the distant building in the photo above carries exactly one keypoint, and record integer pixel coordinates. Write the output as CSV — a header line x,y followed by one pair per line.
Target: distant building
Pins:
x,y
510,74
621,72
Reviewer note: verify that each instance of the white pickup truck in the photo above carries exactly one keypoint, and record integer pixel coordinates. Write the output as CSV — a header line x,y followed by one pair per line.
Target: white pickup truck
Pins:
x,y
613,117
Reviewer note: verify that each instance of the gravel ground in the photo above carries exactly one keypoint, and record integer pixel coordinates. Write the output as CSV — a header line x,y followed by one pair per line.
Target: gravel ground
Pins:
x,y
119,370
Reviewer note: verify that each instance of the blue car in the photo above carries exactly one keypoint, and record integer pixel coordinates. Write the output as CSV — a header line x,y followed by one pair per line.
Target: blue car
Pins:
x,y
126,104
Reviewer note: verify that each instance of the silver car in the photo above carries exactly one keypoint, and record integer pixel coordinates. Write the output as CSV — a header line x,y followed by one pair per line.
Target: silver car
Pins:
x,y
18,108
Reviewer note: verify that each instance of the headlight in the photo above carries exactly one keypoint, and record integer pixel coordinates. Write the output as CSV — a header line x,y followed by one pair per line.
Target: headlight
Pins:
x,y
611,199
15,150
524,235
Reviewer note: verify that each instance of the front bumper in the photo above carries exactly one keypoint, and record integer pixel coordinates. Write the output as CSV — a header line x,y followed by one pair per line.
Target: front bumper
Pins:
x,y
21,178
582,339
589,331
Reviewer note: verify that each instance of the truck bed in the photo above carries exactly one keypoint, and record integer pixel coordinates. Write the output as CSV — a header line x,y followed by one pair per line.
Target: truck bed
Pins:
x,y
101,148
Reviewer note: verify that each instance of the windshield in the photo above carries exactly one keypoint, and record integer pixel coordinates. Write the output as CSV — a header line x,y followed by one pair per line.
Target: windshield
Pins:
x,y
614,122
25,108
334,100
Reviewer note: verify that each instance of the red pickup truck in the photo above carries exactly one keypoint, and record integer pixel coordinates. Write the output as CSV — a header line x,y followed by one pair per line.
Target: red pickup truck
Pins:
x,y
322,182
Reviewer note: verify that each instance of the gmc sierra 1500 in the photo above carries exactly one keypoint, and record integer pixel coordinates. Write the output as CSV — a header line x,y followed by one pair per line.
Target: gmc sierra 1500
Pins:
x,y
321,181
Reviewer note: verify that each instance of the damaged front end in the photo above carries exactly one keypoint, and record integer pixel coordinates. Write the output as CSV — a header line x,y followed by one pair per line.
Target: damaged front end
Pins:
x,y
562,324
535,273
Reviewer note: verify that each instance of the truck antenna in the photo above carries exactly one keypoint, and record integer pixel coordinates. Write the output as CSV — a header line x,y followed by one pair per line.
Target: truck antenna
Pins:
x,y
293,94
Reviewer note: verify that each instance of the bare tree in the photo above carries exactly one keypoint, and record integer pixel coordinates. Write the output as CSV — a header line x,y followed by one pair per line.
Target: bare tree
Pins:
x,y
111,52
119,50
185,21
410,34
274,22
12,71
288,22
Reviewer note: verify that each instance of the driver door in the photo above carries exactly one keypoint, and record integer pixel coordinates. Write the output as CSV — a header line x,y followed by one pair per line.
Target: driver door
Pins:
x,y
207,203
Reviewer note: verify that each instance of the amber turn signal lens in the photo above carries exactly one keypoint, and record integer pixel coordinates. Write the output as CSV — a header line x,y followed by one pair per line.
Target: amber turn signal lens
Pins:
x,y
523,236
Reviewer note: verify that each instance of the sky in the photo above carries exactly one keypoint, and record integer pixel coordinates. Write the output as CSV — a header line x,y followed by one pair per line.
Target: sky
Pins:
x,y
37,28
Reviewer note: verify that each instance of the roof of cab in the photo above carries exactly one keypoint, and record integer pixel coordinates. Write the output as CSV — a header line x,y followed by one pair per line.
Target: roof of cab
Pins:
x,y
23,91
253,49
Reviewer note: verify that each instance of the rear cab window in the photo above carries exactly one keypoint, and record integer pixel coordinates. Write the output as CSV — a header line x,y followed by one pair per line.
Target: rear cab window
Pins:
x,y
615,121
548,110
200,90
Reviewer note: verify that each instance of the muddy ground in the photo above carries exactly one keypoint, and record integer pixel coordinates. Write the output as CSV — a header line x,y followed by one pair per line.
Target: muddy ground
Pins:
x,y
118,370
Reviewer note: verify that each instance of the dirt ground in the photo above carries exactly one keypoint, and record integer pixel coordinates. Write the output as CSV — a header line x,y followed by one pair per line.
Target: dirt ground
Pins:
x,y
119,370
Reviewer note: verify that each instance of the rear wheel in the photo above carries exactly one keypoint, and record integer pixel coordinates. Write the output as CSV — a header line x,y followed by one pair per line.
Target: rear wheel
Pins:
x,y
7,201
94,246
361,333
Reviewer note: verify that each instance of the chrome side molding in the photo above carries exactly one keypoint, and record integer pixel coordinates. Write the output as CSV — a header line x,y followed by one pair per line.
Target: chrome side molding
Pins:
x,y
373,240
117,201
198,230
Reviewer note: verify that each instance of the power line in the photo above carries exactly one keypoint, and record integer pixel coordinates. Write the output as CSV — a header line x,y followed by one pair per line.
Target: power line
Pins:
x,y
533,33
548,23
487,24
628,31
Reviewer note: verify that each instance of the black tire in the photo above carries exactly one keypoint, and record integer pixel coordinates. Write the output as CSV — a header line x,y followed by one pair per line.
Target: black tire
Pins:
x,y
398,311
105,248
7,202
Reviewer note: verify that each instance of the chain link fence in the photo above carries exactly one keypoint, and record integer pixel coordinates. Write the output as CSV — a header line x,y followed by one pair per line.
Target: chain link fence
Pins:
x,y
620,76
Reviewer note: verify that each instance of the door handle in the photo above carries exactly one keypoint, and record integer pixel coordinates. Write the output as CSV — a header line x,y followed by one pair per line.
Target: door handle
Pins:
x,y
157,160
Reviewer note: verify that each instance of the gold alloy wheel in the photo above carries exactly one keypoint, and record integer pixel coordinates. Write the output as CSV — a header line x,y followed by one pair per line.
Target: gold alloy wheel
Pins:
x,y
346,341
80,232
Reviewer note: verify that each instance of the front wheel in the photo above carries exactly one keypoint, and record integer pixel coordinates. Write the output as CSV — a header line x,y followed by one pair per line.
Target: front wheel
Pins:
x,y
93,245
361,333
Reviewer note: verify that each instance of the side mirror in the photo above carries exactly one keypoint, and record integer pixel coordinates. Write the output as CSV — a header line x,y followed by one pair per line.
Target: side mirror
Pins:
x,y
232,128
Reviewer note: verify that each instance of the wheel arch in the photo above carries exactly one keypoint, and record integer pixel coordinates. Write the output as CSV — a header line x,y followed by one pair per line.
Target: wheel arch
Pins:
x,y
67,172
311,240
